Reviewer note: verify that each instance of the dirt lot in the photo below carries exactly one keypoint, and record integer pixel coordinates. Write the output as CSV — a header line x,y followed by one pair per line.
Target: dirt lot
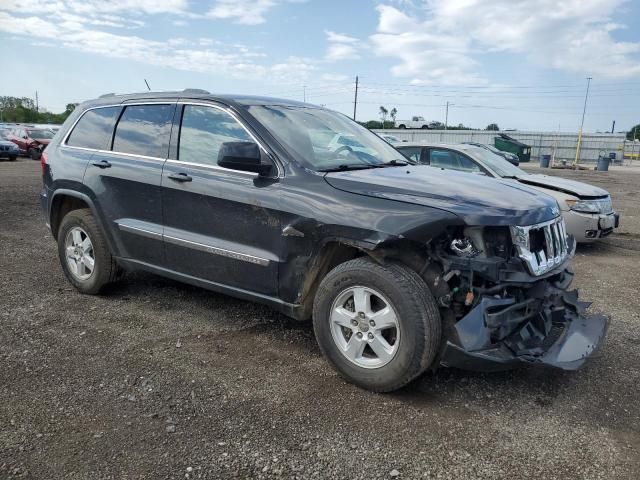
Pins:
x,y
160,380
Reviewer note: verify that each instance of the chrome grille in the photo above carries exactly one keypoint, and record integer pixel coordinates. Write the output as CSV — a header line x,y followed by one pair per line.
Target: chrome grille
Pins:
x,y
546,254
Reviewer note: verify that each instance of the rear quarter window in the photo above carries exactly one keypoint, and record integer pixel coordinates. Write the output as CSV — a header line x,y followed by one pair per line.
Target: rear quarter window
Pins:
x,y
144,130
94,129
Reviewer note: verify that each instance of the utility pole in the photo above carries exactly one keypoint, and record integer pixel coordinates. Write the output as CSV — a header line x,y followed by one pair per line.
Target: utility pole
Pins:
x,y
304,93
147,84
355,100
584,110
613,127
37,104
446,115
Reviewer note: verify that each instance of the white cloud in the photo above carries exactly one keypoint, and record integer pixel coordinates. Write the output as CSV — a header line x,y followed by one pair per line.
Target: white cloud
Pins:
x,y
342,47
442,46
200,55
247,12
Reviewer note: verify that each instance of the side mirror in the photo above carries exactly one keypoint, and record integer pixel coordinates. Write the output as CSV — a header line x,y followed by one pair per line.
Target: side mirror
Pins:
x,y
243,156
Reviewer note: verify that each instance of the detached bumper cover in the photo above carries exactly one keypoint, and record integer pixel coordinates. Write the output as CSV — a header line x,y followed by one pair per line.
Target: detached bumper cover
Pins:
x,y
549,327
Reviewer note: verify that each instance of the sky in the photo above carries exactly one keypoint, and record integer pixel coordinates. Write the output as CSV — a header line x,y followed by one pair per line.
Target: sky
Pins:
x,y
521,64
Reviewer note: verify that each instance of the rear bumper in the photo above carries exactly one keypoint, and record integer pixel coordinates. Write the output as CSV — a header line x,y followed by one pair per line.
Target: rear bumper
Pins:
x,y
548,327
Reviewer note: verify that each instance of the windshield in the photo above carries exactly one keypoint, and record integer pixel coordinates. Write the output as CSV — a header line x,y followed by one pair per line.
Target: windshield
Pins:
x,y
4,134
44,134
495,162
323,140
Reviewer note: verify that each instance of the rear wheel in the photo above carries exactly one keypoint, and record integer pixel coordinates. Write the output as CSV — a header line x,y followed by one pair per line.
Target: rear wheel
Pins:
x,y
84,254
377,324
13,159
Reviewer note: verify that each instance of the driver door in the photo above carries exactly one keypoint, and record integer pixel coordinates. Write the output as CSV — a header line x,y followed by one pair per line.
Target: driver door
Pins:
x,y
220,225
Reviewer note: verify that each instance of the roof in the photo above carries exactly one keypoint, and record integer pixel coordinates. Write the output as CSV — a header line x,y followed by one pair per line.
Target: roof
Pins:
x,y
197,94
454,146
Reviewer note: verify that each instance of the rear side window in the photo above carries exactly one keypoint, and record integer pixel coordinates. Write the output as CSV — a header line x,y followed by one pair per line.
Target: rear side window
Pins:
x,y
412,153
95,128
144,130
451,160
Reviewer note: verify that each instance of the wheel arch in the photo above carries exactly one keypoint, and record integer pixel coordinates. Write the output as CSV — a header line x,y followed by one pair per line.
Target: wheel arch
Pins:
x,y
64,201
337,251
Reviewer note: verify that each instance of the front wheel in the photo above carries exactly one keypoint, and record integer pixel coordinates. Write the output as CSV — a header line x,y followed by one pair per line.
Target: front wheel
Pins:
x,y
34,153
377,324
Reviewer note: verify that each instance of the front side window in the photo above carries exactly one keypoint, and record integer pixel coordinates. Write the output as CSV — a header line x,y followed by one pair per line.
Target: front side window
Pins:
x,y
94,129
144,130
204,130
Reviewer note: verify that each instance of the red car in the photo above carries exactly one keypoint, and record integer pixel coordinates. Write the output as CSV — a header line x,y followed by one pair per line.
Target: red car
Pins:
x,y
31,141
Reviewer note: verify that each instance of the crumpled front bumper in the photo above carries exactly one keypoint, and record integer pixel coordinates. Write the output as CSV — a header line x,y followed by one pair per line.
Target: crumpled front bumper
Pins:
x,y
548,327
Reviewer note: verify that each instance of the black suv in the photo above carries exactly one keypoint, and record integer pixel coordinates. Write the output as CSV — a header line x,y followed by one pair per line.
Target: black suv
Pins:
x,y
402,267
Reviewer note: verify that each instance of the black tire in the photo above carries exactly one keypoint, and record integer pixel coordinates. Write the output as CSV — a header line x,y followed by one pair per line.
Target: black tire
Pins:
x,y
425,127
105,268
13,159
417,313
402,126
34,153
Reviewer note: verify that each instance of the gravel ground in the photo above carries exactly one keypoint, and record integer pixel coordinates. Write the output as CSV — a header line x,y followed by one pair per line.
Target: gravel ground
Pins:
x,y
155,379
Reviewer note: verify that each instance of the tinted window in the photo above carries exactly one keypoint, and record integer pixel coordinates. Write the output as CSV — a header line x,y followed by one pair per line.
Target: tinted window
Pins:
x,y
95,128
144,130
412,153
204,130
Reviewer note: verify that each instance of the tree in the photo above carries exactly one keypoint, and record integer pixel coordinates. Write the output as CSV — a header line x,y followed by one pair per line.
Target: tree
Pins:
x,y
392,114
23,110
634,133
383,112
493,127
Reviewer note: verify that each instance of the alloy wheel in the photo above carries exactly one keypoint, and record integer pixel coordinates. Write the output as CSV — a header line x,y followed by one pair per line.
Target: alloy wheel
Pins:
x,y
365,327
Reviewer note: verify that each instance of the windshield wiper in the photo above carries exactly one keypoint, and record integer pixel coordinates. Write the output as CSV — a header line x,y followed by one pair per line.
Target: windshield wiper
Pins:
x,y
349,166
395,163
366,166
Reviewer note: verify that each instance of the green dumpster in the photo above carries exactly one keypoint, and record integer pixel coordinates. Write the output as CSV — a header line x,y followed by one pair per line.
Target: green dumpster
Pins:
x,y
507,144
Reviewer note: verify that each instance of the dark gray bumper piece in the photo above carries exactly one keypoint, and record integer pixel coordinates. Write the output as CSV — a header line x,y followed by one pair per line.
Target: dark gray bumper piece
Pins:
x,y
550,330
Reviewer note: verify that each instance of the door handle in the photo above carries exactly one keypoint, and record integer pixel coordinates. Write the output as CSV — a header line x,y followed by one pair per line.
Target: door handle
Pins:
x,y
180,177
101,164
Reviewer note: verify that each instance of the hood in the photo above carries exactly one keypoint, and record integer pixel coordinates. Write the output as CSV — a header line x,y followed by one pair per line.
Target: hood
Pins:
x,y
579,189
477,199
7,143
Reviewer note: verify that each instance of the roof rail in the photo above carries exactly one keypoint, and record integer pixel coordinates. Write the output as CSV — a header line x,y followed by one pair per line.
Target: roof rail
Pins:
x,y
107,95
196,90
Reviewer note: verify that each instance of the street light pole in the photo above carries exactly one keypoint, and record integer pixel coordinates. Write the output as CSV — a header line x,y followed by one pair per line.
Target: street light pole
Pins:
x,y
584,110
446,115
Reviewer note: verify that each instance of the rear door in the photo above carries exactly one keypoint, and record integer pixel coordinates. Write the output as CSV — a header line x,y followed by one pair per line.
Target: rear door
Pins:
x,y
221,225
125,179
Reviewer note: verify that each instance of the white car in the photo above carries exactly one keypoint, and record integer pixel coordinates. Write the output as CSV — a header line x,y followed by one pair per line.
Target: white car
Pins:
x,y
587,210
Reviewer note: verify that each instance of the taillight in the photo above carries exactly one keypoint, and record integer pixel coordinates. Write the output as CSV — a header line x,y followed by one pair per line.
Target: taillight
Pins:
x,y
43,161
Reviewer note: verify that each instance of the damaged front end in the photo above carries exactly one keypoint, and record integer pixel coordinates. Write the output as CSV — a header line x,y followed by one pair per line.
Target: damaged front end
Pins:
x,y
504,298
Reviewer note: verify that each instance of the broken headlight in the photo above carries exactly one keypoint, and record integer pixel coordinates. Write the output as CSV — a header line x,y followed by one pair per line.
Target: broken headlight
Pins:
x,y
464,247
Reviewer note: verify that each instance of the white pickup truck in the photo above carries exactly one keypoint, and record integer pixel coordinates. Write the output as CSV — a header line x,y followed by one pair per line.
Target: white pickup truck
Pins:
x,y
415,122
